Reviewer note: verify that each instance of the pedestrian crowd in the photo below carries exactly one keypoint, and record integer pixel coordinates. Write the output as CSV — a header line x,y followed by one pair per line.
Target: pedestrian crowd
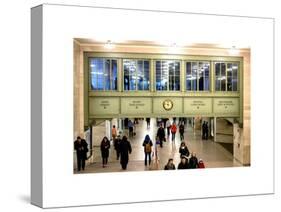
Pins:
x,y
123,147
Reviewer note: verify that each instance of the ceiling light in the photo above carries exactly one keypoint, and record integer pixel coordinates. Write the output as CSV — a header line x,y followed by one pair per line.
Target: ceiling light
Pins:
x,y
109,45
233,50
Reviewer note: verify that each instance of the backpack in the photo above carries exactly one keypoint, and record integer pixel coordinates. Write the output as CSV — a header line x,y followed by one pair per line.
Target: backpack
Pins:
x,y
147,147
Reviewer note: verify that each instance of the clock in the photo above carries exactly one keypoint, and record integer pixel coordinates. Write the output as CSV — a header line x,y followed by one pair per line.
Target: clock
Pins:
x,y
167,104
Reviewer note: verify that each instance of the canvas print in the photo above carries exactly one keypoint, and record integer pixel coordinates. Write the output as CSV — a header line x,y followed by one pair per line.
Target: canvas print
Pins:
x,y
148,106
129,94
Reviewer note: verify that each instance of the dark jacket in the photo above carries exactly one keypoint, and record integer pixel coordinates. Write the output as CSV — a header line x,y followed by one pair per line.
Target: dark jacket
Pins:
x,y
193,162
81,149
149,142
184,151
117,142
161,133
183,166
172,167
181,129
125,150
104,147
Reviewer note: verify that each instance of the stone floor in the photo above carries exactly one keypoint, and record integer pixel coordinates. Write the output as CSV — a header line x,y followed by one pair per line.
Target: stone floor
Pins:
x,y
213,154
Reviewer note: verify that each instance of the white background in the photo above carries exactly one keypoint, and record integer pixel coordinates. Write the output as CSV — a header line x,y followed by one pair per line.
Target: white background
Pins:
x,y
15,112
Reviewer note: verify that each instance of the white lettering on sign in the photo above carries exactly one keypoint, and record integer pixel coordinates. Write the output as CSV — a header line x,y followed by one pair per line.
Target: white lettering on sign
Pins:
x,y
104,104
136,104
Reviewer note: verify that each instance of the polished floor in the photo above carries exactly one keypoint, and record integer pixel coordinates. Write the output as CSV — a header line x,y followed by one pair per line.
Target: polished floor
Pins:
x,y
213,154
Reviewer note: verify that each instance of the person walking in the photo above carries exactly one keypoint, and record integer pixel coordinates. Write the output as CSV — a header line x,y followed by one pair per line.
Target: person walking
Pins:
x,y
81,147
117,142
206,130
181,131
125,150
184,163
114,133
174,131
203,130
104,147
183,150
147,144
147,123
170,165
193,161
161,135
168,126
131,128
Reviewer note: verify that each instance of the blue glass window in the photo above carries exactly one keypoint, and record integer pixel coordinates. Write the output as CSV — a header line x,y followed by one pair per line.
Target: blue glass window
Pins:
x,y
136,74
226,76
197,76
103,74
167,75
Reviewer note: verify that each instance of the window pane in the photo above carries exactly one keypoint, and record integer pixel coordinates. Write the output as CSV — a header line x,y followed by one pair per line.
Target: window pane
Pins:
x,y
218,76
188,76
200,77
229,77
177,83
206,69
164,75
107,75
161,75
158,75
177,76
194,76
113,74
96,67
234,76
140,75
146,76
132,77
129,74
103,74
171,66
126,74
223,77
167,74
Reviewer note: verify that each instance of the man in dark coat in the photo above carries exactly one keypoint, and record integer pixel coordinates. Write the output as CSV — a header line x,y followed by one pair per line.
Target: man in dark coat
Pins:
x,y
184,163
181,131
193,161
203,130
117,146
206,130
104,147
161,135
81,147
125,150
183,150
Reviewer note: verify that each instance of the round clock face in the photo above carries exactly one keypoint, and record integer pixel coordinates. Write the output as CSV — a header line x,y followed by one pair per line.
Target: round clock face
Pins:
x,y
167,104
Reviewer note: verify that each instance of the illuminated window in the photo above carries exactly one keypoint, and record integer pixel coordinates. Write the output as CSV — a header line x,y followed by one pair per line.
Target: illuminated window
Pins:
x,y
167,75
197,76
136,74
103,74
226,76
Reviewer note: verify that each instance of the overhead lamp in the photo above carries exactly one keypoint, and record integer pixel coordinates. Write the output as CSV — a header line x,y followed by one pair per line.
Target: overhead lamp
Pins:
x,y
109,45
233,50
